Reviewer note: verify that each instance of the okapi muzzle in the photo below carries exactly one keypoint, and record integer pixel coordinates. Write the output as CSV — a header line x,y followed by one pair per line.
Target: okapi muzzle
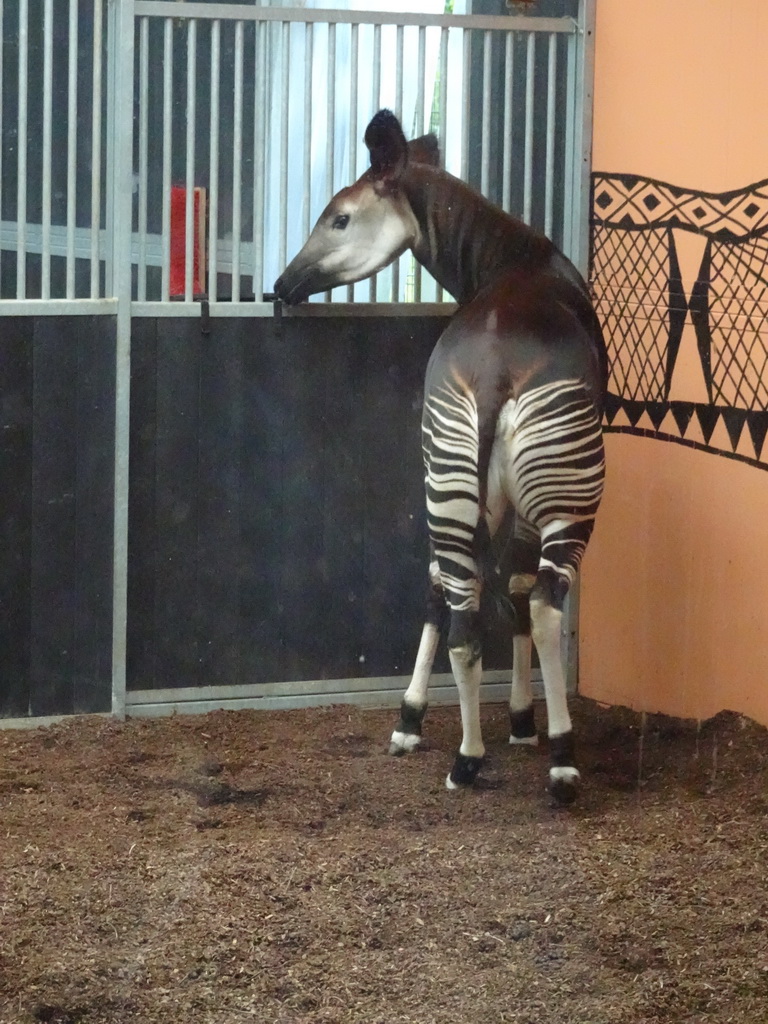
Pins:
x,y
362,230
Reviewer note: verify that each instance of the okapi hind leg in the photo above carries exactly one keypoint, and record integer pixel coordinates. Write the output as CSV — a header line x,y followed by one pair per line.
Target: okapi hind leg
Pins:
x,y
547,600
522,724
452,432
526,552
558,471
406,736
465,651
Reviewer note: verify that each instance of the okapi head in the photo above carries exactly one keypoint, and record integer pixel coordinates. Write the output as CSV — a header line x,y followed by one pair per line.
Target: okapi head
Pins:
x,y
365,226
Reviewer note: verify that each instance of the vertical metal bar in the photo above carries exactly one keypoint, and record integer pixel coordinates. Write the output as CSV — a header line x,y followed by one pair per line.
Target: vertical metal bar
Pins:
x,y
21,155
506,172
442,105
353,90
2,36
528,153
485,137
467,112
395,286
353,100
376,97
213,162
399,73
189,178
237,164
443,95
165,232
286,81
106,246
585,76
45,283
96,148
71,147
549,175
421,85
259,145
141,291
569,174
330,153
376,81
121,23
307,158
421,89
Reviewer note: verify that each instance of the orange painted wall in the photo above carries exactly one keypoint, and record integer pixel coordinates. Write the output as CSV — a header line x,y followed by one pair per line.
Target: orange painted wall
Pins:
x,y
674,598
680,87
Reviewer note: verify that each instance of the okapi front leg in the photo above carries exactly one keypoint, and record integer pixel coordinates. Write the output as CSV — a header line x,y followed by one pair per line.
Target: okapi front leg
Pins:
x,y
407,733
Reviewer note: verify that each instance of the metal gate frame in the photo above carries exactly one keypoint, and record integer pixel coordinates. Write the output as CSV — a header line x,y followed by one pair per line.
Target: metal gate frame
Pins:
x,y
122,20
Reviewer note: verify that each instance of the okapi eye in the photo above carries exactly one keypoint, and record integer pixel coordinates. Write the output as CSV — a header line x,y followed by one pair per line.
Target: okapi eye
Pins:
x,y
341,221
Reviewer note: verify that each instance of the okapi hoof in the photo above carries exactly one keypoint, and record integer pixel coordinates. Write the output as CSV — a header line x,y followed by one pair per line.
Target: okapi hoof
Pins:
x,y
564,785
464,771
407,734
522,728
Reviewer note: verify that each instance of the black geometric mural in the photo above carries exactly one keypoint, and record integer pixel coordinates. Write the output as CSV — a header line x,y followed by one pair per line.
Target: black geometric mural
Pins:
x,y
643,305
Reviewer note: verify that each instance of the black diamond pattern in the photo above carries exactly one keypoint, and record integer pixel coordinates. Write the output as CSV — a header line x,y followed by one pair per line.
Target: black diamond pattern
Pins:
x,y
603,200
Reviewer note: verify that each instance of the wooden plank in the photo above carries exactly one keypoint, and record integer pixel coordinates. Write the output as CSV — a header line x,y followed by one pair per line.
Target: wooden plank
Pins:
x,y
261,510
94,339
177,608
142,510
345,355
53,535
220,551
310,611
15,512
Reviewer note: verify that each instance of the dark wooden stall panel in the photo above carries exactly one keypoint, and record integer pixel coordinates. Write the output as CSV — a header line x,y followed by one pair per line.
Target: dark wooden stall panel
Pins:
x,y
56,511
15,512
277,525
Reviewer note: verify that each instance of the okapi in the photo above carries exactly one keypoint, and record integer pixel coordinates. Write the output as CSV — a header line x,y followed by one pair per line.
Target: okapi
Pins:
x,y
511,419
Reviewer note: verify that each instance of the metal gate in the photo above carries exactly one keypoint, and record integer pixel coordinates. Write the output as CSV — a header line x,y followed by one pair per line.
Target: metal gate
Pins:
x,y
174,170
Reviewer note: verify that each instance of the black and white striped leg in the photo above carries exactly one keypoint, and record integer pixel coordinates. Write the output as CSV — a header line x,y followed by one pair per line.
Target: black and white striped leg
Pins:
x,y
546,624
521,719
467,664
563,775
407,733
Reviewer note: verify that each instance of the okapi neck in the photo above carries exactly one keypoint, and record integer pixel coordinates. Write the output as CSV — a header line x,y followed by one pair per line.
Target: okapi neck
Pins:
x,y
466,242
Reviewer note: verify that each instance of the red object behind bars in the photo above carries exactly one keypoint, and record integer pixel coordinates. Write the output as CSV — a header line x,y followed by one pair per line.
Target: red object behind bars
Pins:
x,y
179,240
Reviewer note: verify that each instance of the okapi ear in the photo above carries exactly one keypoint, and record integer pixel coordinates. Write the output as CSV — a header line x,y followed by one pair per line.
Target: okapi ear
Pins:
x,y
387,146
425,150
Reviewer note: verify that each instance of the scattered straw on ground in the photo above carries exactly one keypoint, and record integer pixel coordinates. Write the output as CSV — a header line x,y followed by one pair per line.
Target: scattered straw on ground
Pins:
x,y
280,867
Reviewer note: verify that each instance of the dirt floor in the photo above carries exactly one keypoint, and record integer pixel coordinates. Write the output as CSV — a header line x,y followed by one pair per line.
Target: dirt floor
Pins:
x,y
281,867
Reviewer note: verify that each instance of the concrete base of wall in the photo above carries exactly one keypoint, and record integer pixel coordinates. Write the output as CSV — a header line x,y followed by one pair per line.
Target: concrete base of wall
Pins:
x,y
370,693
